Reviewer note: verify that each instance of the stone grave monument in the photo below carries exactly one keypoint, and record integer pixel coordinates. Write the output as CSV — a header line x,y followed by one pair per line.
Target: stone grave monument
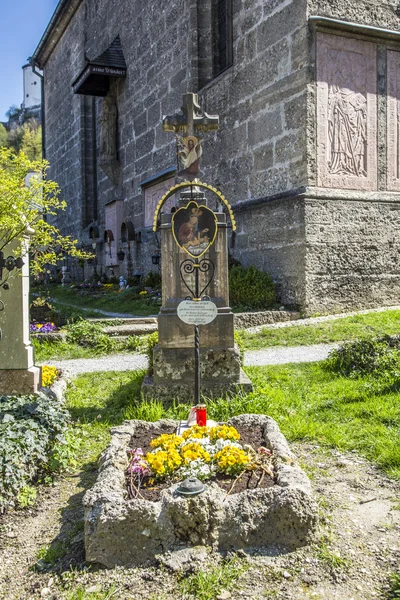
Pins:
x,y
196,346
18,374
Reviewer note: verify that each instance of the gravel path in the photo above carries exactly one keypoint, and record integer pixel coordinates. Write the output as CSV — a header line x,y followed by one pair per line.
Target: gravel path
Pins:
x,y
114,362
280,356
130,362
102,313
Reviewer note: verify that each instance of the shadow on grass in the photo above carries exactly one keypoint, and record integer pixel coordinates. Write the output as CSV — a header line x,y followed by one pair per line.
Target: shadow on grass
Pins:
x,y
112,407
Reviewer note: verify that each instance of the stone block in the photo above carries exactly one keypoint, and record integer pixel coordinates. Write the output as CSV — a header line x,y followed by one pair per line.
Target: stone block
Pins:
x,y
264,157
176,365
281,23
265,126
290,147
20,381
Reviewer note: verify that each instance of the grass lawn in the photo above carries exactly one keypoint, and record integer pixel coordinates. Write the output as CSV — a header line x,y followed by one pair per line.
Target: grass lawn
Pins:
x,y
308,403
112,301
48,351
347,328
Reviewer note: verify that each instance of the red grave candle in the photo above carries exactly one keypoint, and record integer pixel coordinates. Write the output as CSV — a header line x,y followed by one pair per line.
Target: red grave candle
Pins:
x,y
201,415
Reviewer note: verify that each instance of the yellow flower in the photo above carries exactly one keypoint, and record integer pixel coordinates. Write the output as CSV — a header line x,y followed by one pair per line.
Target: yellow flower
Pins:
x,y
163,462
49,375
193,451
232,460
167,440
196,432
224,432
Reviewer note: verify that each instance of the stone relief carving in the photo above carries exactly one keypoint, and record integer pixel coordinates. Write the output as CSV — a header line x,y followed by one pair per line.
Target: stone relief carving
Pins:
x,y
393,121
347,129
346,112
108,139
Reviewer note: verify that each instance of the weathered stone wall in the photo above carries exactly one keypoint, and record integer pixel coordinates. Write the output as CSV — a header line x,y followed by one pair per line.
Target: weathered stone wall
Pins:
x,y
351,235
271,236
64,122
266,155
260,148
352,256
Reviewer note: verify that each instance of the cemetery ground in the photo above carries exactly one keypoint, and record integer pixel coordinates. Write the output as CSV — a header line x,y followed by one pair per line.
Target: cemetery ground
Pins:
x,y
344,428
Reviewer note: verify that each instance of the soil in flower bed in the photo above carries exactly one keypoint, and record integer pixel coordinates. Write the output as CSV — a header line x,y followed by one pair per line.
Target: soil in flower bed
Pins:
x,y
252,437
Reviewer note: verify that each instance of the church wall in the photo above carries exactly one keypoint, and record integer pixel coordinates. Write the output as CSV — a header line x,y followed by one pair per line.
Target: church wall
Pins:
x,y
352,254
64,123
295,220
351,218
271,236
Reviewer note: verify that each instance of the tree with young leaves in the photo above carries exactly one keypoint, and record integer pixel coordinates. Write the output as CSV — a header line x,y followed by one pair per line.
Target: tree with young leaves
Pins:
x,y
27,199
3,135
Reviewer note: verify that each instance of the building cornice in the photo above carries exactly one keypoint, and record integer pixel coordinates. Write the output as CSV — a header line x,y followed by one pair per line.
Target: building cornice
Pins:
x,y
330,25
62,15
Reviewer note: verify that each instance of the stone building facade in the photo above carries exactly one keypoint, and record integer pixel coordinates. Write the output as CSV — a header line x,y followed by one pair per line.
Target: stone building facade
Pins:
x,y
308,93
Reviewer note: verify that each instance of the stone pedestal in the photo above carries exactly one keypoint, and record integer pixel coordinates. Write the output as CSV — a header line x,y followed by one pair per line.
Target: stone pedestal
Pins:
x,y
173,376
18,374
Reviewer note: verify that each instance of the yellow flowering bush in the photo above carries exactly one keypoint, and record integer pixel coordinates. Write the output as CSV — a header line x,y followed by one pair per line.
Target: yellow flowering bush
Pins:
x,y
167,441
143,293
199,451
232,460
163,462
197,432
194,451
49,375
224,432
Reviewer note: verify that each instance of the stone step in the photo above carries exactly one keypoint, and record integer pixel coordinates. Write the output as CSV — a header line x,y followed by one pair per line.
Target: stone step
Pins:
x,y
127,330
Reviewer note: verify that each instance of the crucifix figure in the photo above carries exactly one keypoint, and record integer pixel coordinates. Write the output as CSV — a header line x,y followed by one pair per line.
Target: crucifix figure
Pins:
x,y
190,122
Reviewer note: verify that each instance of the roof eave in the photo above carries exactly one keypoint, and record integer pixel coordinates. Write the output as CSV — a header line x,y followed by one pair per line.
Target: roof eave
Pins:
x,y
58,23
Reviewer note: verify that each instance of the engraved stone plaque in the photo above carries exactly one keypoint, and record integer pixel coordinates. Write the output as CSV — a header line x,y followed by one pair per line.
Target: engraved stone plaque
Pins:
x,y
393,121
346,113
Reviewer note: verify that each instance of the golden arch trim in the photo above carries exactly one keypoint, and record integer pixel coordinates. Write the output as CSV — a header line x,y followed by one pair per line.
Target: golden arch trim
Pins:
x,y
187,184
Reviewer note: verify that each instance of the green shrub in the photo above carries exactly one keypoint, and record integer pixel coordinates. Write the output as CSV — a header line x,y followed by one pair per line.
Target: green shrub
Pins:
x,y
250,288
31,427
90,335
153,280
376,355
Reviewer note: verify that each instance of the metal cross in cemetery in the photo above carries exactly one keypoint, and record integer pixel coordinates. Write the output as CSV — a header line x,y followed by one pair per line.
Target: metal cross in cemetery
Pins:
x,y
192,120
194,227
188,126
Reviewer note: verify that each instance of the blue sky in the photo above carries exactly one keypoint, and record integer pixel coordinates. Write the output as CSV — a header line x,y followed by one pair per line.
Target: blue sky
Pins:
x,y
22,23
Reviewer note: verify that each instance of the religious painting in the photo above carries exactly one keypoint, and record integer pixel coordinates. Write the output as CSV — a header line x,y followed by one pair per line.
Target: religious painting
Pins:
x,y
189,151
194,228
393,121
346,113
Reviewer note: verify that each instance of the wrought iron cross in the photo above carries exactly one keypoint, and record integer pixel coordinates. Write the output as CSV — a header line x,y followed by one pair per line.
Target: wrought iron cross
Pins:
x,y
192,120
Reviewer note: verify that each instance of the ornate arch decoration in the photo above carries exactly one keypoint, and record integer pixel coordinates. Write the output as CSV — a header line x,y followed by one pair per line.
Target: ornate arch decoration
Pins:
x,y
127,232
191,184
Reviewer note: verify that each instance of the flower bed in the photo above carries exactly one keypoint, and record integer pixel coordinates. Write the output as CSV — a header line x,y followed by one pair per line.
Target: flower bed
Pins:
x,y
120,530
49,375
234,458
42,327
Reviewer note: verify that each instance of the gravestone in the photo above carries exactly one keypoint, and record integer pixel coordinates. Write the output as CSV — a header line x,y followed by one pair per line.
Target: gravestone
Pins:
x,y
18,374
189,251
